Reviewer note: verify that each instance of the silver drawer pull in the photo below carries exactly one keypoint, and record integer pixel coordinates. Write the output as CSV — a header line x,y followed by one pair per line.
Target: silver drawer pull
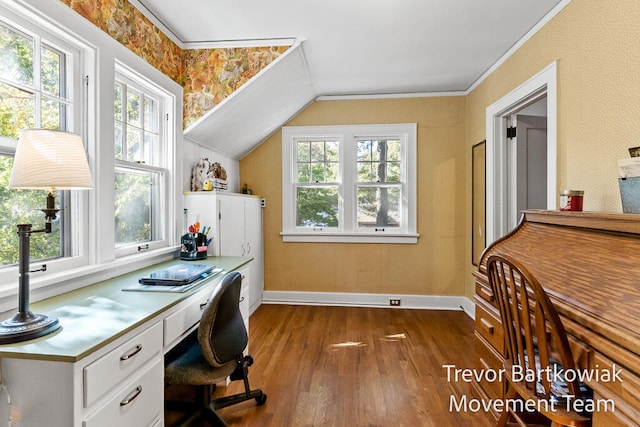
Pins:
x,y
133,353
135,393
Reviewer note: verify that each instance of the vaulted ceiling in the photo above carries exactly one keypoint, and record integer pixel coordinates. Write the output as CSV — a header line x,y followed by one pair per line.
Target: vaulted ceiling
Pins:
x,y
353,47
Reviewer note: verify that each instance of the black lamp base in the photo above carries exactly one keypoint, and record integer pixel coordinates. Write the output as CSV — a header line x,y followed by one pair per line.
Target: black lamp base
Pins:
x,y
26,326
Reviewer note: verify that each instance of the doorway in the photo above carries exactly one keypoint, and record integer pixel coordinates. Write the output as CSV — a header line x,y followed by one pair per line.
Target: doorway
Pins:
x,y
521,163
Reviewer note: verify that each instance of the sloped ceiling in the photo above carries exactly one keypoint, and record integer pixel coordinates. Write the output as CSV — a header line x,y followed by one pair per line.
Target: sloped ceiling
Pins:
x,y
258,108
355,47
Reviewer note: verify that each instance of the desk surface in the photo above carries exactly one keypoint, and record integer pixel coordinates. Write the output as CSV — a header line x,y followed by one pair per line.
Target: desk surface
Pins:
x,y
93,316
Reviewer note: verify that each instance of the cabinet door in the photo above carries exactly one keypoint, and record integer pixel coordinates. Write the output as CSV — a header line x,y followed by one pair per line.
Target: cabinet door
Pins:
x,y
253,237
202,207
231,226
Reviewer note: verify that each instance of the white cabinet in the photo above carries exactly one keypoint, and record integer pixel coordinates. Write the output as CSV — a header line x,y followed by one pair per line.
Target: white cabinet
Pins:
x,y
237,231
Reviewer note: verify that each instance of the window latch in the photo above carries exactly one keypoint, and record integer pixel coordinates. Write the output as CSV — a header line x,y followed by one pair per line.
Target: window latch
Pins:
x,y
43,267
379,229
143,247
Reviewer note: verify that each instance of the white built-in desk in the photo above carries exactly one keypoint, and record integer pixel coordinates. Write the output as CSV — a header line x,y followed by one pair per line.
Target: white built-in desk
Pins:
x,y
105,365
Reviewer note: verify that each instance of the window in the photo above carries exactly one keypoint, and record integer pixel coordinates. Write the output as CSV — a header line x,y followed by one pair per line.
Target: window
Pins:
x,y
140,164
352,183
36,71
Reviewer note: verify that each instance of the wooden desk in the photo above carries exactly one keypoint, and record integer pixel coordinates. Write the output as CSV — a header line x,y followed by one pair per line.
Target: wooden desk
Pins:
x,y
104,367
589,264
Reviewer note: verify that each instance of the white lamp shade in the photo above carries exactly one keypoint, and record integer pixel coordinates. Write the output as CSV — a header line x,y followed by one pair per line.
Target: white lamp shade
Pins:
x,y
51,160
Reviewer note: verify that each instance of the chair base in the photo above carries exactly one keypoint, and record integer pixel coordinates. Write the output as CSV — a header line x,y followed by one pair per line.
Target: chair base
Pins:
x,y
205,409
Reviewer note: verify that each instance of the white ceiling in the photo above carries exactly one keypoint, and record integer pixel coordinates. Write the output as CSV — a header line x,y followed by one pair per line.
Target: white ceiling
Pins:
x,y
355,47
341,48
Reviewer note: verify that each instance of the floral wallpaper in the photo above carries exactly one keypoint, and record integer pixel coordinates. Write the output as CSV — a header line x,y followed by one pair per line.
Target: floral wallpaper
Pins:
x,y
213,74
207,75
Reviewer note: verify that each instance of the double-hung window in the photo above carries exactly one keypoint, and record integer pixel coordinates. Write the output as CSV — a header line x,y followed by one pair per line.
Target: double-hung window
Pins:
x,y
40,87
351,183
141,158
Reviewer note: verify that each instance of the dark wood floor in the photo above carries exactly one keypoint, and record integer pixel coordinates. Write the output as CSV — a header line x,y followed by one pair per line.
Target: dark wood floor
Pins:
x,y
348,366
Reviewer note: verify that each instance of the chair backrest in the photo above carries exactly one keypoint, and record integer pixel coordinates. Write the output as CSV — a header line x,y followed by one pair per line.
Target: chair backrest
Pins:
x,y
535,339
222,334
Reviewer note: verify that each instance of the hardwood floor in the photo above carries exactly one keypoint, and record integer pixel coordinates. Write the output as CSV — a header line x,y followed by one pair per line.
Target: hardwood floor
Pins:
x,y
349,366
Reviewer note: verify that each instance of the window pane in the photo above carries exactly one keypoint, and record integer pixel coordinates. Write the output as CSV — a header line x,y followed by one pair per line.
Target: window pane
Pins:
x,y
19,207
117,102
150,148
393,150
364,172
317,152
304,172
150,115
318,161
317,207
51,71
51,113
16,57
303,151
117,136
317,172
134,145
379,206
393,172
133,207
379,161
332,151
332,172
133,107
17,110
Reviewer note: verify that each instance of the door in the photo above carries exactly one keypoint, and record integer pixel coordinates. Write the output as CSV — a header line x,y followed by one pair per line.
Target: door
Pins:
x,y
501,192
528,167
231,225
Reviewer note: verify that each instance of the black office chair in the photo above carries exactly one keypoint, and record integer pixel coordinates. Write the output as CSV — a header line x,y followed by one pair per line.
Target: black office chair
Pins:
x,y
212,354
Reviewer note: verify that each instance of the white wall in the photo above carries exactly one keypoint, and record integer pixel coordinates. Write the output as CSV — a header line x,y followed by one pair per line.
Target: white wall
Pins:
x,y
193,152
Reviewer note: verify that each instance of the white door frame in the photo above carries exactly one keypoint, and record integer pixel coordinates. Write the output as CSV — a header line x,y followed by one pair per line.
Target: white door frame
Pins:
x,y
497,154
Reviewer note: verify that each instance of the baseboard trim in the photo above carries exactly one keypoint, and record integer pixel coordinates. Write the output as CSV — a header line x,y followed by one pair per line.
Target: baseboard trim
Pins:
x,y
425,302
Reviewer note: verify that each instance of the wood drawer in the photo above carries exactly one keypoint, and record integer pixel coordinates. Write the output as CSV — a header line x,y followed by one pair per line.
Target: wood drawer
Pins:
x,y
139,404
489,326
485,292
176,324
108,371
487,359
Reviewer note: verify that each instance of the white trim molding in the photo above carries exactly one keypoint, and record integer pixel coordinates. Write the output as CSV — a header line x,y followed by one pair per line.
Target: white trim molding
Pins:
x,y
542,84
425,302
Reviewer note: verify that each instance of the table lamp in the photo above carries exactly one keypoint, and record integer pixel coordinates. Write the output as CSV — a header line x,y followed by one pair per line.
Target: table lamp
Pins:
x,y
47,160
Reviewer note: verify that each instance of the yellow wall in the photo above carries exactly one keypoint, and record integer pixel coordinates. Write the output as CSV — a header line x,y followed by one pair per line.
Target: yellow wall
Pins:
x,y
597,48
433,266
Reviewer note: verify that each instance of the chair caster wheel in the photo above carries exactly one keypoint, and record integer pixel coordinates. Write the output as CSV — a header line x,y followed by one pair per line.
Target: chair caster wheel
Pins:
x,y
260,400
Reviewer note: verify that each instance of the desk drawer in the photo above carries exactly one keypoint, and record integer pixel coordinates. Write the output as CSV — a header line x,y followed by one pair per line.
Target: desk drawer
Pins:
x,y
489,326
176,324
488,360
485,292
139,404
123,362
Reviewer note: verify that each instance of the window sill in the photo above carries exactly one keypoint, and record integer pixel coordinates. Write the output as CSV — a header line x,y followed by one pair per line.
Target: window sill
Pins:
x,y
50,285
327,237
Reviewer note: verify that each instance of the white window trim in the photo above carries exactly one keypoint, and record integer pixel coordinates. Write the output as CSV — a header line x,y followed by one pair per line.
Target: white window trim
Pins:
x,y
98,53
139,82
347,232
78,200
